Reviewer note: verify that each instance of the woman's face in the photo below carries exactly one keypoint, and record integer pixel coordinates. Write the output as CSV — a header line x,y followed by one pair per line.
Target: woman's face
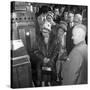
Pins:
x,y
56,11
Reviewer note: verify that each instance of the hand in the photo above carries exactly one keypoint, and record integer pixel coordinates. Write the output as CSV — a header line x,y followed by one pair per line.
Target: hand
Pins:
x,y
46,60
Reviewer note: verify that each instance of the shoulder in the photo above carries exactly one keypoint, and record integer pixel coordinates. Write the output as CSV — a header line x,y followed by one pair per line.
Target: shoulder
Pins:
x,y
74,51
75,54
83,47
78,53
84,51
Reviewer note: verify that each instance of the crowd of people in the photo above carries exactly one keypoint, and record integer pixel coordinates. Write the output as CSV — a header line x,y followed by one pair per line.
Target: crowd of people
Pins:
x,y
60,54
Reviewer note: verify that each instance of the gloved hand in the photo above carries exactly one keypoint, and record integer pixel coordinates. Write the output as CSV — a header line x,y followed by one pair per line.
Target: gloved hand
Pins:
x,y
46,60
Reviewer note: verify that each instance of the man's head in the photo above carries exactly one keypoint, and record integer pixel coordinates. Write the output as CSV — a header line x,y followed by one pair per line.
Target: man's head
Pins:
x,y
77,19
56,11
70,17
66,16
78,33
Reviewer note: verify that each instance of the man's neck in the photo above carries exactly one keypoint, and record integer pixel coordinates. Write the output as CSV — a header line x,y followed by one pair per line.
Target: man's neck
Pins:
x,y
81,42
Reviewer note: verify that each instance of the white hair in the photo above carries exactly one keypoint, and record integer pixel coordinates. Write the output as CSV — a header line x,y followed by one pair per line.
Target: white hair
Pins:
x,y
79,17
81,29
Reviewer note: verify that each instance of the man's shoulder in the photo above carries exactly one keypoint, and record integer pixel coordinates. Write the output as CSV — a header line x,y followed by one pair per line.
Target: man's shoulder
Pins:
x,y
78,51
74,50
82,48
75,53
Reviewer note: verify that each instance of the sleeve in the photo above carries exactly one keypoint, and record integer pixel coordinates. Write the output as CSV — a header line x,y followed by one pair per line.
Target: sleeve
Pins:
x,y
37,52
55,50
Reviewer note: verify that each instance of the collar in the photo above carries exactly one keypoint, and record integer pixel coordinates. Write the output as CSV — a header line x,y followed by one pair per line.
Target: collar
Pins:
x,y
81,43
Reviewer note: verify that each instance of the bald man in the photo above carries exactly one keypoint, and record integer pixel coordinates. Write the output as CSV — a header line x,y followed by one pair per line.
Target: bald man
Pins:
x,y
75,68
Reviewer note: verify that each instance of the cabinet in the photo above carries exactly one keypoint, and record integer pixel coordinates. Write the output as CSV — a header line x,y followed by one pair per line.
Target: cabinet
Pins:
x,y
21,74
